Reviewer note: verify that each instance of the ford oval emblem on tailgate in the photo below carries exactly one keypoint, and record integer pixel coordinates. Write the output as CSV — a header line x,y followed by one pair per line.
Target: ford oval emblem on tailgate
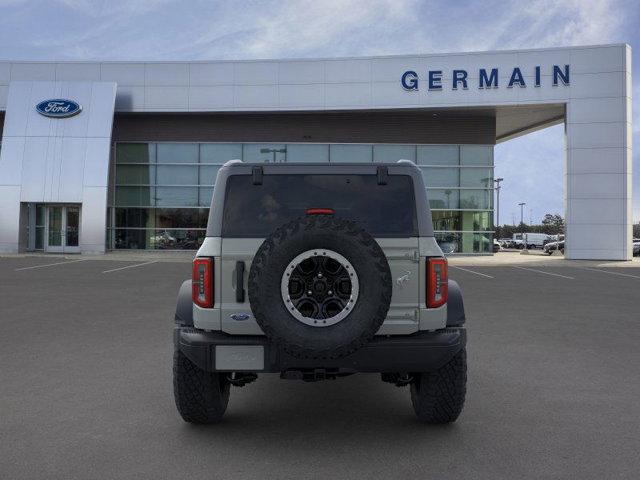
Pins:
x,y
239,317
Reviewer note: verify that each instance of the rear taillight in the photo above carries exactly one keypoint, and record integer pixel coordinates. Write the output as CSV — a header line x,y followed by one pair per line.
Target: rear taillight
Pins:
x,y
202,282
437,282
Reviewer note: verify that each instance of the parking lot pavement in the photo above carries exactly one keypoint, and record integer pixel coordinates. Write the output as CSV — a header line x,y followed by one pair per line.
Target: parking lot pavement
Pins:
x,y
86,391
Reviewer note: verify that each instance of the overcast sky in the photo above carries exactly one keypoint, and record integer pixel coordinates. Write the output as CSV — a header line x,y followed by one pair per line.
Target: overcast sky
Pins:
x,y
532,166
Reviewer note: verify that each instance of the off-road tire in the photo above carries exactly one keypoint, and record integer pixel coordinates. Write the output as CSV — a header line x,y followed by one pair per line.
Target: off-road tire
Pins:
x,y
320,232
438,397
201,397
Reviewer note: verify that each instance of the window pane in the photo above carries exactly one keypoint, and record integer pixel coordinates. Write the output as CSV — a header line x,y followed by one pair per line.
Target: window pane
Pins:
x,y
177,196
443,199
39,238
474,221
220,152
208,174
307,153
134,196
263,152
131,239
177,175
476,177
351,153
135,153
255,211
477,242
446,220
177,239
181,217
449,242
40,215
476,199
178,153
135,174
441,177
438,155
205,196
393,153
476,155
134,217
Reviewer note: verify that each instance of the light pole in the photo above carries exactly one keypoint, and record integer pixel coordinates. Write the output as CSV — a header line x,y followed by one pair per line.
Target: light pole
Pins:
x,y
522,212
497,181
524,240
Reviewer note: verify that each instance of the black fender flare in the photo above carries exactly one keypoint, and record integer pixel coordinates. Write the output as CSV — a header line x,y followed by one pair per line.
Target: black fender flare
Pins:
x,y
184,305
455,306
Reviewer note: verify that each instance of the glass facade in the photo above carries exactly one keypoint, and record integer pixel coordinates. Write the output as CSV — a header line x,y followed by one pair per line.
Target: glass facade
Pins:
x,y
162,191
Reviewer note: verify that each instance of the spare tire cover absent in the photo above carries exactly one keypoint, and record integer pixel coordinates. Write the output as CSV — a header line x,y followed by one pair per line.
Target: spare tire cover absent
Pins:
x,y
320,287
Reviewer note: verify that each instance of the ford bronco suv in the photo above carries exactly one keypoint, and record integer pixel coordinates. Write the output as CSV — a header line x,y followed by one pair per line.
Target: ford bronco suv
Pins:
x,y
318,271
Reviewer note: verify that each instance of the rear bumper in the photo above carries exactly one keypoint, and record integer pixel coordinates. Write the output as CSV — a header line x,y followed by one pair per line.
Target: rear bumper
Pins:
x,y
419,352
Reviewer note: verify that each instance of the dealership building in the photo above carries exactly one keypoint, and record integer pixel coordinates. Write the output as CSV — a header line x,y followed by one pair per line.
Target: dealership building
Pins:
x,y
99,156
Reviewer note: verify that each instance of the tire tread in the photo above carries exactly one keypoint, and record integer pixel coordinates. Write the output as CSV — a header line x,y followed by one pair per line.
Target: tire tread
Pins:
x,y
438,397
200,396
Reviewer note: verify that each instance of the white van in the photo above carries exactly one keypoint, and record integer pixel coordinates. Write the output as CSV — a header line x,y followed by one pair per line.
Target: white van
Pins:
x,y
532,240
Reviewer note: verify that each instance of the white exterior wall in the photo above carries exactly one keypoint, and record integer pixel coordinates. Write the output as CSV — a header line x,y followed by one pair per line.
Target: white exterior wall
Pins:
x,y
56,160
598,109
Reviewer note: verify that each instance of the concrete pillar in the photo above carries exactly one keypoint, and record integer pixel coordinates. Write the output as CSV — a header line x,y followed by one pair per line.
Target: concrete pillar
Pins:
x,y
598,207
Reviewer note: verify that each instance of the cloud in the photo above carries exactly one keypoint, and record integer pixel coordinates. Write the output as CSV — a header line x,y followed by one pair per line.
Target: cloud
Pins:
x,y
249,29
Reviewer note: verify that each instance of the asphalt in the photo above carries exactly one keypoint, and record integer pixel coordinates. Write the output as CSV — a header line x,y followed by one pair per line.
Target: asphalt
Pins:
x,y
85,385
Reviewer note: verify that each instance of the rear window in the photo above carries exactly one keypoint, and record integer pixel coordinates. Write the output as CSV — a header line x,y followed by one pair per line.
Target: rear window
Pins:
x,y
382,210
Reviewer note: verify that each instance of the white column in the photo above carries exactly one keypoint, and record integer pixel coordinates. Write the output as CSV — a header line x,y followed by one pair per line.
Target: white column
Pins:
x,y
598,172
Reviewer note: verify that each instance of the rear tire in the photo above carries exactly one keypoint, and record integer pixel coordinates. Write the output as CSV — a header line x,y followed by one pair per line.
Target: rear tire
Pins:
x,y
438,397
201,397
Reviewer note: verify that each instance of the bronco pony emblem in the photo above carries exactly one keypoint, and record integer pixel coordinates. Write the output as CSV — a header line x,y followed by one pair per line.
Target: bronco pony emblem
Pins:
x,y
400,281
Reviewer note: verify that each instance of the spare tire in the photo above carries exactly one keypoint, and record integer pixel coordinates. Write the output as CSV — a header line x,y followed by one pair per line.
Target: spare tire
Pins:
x,y
320,287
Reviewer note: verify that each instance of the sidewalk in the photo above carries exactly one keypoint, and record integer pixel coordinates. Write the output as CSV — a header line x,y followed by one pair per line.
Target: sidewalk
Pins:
x,y
121,256
535,257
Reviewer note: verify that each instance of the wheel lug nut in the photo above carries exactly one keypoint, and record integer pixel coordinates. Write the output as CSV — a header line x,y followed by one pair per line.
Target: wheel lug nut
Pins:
x,y
309,292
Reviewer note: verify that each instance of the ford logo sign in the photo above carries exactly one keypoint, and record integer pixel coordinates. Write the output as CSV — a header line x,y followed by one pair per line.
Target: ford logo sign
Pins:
x,y
240,317
58,108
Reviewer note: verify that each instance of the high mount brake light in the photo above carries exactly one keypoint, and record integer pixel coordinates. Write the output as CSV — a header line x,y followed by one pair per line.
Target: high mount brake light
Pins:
x,y
202,282
437,282
319,211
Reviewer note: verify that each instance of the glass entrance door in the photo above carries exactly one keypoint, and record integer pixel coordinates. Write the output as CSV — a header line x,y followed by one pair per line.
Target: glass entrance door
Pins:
x,y
72,229
62,229
54,230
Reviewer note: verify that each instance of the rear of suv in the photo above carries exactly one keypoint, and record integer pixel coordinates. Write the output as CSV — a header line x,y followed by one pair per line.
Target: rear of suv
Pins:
x,y
316,271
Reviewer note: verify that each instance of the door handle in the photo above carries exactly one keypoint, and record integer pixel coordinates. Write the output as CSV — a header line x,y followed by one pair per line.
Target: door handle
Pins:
x,y
240,281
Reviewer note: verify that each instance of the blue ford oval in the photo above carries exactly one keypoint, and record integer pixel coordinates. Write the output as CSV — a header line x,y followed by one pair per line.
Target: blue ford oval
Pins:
x,y
58,108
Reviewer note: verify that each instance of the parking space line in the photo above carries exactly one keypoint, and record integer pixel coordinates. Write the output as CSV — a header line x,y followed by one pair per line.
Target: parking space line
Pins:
x,y
544,273
471,271
610,273
130,266
49,265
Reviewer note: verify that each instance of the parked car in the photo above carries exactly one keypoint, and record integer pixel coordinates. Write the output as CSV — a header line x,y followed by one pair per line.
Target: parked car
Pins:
x,y
550,247
496,246
533,240
300,276
506,242
636,247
